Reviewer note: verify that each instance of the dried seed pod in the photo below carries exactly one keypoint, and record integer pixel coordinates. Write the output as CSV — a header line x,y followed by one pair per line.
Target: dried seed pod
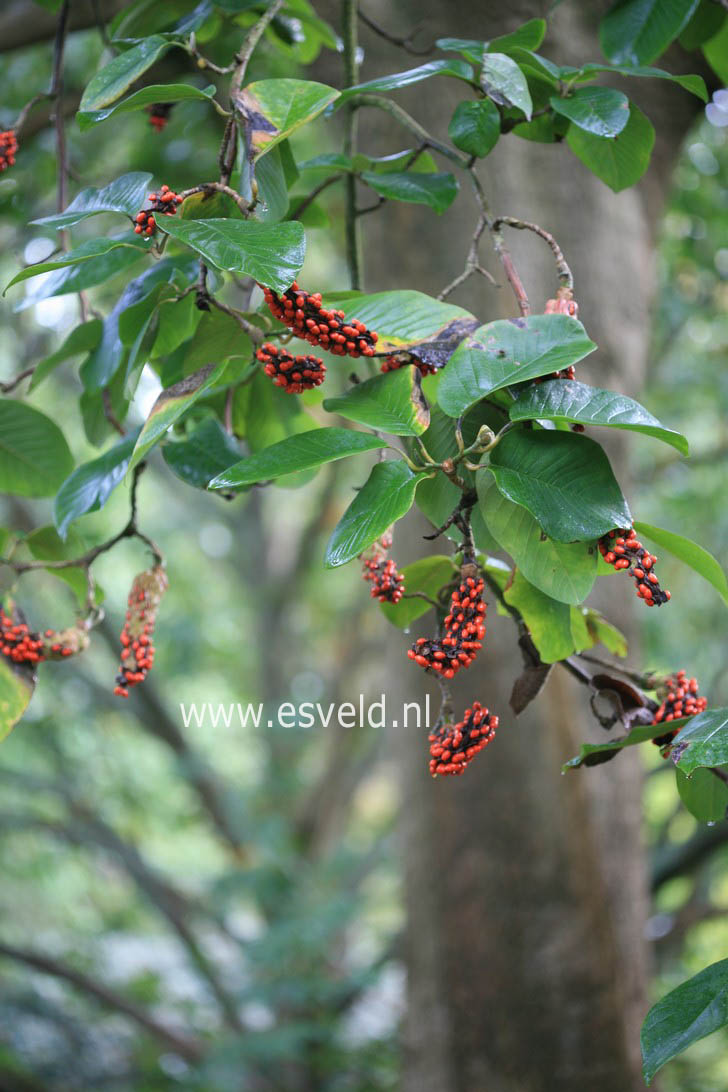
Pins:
x,y
23,646
464,630
137,650
159,114
293,373
621,549
8,149
163,203
303,313
454,746
395,361
59,644
679,698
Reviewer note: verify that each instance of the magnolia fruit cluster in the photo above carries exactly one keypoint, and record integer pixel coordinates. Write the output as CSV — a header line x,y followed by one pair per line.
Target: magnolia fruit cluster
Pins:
x,y
303,313
159,115
622,549
293,374
137,649
8,149
400,360
381,572
20,644
163,203
464,630
454,746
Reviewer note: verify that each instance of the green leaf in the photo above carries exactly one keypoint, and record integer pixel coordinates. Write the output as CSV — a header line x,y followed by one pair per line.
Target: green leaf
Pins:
x,y
113,80
503,81
528,36
565,572
689,553
638,31
82,339
16,690
594,754
694,1009
565,400
34,456
386,496
85,274
273,109
163,92
510,351
125,194
171,405
459,69
295,453
206,452
563,479
475,127
271,253
404,319
438,191
621,161
694,84
704,24
703,794
715,52
392,402
93,248
548,620
46,545
428,576
703,741
89,486
589,628
598,110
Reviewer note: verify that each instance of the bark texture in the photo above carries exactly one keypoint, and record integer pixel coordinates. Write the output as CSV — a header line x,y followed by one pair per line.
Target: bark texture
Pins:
x,y
525,890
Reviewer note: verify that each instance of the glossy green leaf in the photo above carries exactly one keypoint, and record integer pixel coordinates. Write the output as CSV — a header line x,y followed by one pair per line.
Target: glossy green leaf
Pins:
x,y
504,82
459,69
694,84
392,403
598,110
589,627
547,619
621,161
264,414
703,794
510,351
428,576
119,74
475,127
703,741
89,486
528,36
34,455
565,400
715,52
273,109
94,248
565,572
694,1009
564,480
386,496
82,339
172,404
205,453
147,96
16,690
85,274
638,31
594,754
406,319
270,253
296,453
689,553
706,21
125,194
438,191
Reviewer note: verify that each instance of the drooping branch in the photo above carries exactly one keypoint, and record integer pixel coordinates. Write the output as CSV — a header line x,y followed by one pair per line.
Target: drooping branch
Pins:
x,y
351,78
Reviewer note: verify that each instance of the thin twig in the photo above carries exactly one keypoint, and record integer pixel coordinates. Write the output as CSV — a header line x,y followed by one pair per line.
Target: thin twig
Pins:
x,y
219,187
351,77
299,210
394,39
254,35
56,93
11,384
564,272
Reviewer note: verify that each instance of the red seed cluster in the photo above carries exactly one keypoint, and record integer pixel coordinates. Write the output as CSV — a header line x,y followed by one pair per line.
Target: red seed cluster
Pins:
x,y
621,549
464,632
164,202
400,360
454,746
303,313
21,645
387,583
159,115
562,305
137,650
293,373
681,699
8,149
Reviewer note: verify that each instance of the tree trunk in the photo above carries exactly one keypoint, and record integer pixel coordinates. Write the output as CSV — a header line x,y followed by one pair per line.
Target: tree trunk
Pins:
x,y
525,890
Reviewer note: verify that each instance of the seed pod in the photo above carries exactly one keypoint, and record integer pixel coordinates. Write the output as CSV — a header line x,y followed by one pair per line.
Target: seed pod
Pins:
x,y
400,360
564,304
679,698
621,549
8,149
163,203
59,644
293,374
464,630
303,313
159,114
454,746
137,650
23,646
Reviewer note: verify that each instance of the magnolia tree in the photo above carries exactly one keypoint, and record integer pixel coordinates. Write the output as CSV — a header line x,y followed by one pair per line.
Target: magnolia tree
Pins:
x,y
487,429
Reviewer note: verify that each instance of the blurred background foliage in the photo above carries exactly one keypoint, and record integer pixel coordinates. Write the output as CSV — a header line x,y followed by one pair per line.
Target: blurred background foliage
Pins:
x,y
241,889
